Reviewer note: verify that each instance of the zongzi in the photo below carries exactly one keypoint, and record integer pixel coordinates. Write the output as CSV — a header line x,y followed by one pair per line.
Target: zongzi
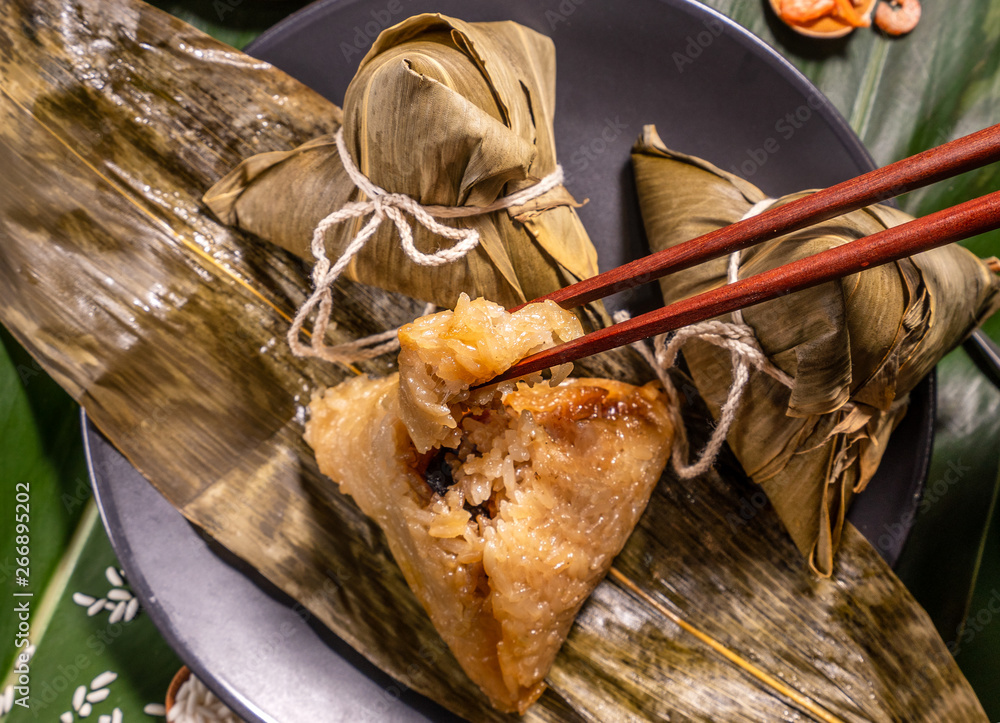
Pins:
x,y
504,507
478,99
853,349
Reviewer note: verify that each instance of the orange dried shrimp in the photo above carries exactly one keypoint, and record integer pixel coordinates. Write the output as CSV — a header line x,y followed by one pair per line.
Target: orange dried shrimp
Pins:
x,y
801,12
898,17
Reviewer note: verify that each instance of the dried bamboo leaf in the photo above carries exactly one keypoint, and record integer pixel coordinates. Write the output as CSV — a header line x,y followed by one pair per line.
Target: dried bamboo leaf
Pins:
x,y
162,323
479,100
855,347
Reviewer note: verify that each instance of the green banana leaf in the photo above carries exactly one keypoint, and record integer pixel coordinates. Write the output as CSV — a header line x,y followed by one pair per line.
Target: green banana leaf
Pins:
x,y
69,552
42,453
941,557
76,648
161,322
976,648
234,22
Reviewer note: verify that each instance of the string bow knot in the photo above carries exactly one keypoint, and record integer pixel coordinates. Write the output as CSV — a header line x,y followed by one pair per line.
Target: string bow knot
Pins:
x,y
382,205
745,352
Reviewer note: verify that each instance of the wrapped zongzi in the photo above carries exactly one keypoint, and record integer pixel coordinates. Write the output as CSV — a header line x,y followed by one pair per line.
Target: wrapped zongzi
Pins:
x,y
478,102
853,349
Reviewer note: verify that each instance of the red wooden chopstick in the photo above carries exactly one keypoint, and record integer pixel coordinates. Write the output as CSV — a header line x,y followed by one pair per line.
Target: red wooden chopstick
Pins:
x,y
961,155
922,234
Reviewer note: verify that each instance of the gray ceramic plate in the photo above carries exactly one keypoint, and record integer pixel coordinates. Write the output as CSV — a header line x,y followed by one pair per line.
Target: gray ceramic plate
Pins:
x,y
714,91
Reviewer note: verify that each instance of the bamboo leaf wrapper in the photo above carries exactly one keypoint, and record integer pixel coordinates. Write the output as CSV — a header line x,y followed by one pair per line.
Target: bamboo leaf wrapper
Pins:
x,y
855,348
478,99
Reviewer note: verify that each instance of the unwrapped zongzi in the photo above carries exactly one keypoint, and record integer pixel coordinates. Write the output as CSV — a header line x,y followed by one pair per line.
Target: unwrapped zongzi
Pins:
x,y
503,510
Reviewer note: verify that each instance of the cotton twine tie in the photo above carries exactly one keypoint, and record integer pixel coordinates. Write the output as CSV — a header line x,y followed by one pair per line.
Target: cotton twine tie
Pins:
x,y
395,206
745,352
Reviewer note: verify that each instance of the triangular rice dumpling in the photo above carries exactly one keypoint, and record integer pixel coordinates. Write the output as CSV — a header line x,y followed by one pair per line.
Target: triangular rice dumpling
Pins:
x,y
478,101
854,348
510,507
